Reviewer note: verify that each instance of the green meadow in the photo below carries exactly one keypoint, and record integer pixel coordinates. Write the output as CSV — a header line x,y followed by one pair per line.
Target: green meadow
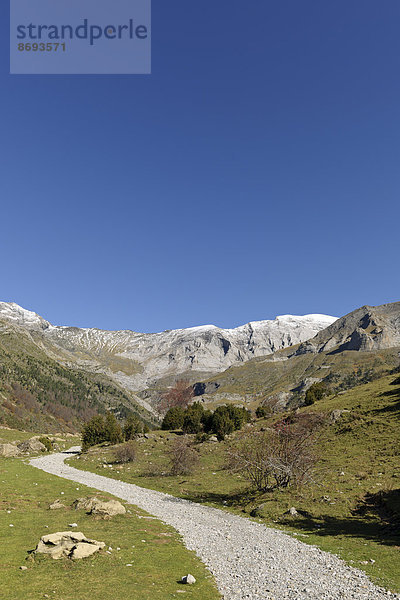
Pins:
x,y
352,506
155,552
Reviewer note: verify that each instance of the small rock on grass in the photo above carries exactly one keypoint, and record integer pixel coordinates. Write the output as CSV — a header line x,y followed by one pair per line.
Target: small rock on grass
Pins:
x,y
189,579
57,504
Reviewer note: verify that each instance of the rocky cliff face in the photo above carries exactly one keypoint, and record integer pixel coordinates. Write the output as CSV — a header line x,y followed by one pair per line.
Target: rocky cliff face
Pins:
x,y
367,328
138,361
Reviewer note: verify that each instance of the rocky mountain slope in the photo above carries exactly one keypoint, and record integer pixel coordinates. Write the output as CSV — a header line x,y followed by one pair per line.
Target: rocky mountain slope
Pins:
x,y
368,328
354,349
138,361
39,393
279,357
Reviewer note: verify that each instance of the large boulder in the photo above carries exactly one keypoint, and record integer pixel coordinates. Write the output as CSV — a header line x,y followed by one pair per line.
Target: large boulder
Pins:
x,y
83,504
67,543
32,445
94,506
84,549
9,450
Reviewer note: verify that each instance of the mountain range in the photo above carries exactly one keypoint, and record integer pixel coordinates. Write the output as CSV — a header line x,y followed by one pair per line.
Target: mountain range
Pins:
x,y
139,361
253,360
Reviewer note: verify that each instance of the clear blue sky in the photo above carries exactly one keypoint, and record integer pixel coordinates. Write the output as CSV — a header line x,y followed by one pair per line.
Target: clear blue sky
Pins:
x,y
254,173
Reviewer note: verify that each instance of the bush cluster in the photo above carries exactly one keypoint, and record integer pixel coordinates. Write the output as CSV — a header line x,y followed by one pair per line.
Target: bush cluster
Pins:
x,y
107,429
195,419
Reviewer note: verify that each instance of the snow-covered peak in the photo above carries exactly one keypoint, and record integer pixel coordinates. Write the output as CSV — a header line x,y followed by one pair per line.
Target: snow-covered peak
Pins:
x,y
139,360
311,318
197,329
27,318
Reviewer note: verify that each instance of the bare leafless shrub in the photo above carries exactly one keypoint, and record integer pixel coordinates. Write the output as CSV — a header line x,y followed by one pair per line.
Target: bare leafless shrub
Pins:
x,y
281,456
125,453
179,395
183,457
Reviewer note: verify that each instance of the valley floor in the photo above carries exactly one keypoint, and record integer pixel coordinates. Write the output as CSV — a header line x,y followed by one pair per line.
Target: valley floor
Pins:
x,y
248,560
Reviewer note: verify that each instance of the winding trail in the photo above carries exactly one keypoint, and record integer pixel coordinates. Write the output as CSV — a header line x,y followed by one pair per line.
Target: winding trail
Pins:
x,y
248,560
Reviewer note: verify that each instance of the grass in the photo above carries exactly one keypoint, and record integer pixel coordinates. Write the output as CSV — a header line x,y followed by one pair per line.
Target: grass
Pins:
x,y
352,509
265,376
155,550
10,435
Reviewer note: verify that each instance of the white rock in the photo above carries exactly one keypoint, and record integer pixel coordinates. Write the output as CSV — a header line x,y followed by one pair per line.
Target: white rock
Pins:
x,y
70,544
9,450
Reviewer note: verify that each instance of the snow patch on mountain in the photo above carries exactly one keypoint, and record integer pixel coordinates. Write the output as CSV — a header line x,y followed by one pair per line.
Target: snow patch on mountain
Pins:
x,y
26,318
140,360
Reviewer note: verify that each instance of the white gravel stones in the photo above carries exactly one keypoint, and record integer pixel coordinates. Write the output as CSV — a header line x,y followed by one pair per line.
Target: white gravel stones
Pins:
x,y
249,561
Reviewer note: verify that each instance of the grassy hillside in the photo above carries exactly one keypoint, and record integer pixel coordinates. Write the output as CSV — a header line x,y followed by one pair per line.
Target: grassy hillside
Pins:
x,y
352,507
260,378
154,550
39,394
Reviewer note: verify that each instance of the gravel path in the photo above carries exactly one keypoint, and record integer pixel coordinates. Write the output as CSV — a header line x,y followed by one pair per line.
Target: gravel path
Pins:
x,y
249,561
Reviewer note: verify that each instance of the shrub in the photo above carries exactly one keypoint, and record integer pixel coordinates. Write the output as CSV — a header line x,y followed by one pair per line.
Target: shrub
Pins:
x,y
174,418
133,426
192,419
125,453
261,412
46,442
282,456
222,424
93,432
314,393
100,429
195,419
206,420
183,458
228,418
178,395
113,431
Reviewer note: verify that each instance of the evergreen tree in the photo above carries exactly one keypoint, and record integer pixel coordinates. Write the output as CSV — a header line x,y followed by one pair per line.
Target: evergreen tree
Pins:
x,y
192,420
133,426
315,392
173,418
113,431
93,432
